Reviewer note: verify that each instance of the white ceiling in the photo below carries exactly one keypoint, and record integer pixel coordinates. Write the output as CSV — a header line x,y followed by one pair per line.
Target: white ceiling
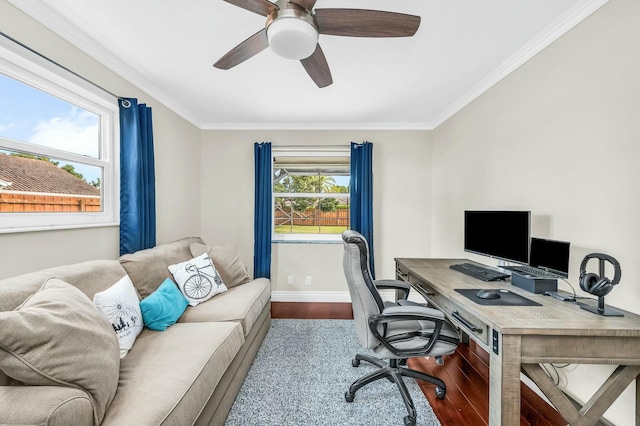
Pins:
x,y
168,47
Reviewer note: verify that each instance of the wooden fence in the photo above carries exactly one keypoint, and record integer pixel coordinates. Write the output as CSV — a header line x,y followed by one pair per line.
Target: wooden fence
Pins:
x,y
312,217
27,203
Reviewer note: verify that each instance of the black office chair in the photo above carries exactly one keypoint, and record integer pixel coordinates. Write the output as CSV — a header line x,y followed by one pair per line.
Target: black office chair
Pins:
x,y
395,331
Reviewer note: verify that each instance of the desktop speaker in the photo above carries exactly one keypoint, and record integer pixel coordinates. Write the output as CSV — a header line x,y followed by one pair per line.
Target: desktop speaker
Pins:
x,y
599,285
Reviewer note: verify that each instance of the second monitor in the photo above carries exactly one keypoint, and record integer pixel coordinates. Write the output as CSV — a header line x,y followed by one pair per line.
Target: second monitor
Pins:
x,y
550,255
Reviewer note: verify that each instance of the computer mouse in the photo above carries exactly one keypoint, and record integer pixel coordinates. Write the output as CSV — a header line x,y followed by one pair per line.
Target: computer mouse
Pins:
x,y
488,294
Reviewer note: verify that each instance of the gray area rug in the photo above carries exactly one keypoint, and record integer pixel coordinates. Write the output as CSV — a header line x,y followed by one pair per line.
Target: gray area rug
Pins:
x,y
301,373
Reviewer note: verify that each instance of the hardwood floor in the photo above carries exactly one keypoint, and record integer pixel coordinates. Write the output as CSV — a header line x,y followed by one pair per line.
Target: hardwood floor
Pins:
x,y
466,373
311,310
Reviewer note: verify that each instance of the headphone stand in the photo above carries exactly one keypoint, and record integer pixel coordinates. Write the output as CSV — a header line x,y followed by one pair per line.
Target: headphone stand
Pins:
x,y
603,310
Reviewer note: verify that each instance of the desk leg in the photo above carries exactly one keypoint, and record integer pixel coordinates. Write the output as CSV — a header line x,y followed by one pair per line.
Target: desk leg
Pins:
x,y
504,383
638,401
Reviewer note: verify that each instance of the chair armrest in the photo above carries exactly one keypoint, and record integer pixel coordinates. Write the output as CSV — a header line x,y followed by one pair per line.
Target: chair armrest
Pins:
x,y
394,285
420,312
408,313
411,303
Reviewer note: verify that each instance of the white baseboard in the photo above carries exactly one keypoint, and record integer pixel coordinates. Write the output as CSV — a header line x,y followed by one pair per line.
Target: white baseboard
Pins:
x,y
330,296
311,296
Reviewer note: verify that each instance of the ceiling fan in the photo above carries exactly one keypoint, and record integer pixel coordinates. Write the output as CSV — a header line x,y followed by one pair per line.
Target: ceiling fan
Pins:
x,y
293,26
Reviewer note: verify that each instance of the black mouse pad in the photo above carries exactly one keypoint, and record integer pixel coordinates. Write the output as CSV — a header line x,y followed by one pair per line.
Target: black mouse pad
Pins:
x,y
507,298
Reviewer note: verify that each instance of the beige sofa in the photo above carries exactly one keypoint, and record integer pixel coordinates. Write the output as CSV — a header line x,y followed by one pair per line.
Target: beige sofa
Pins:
x,y
188,374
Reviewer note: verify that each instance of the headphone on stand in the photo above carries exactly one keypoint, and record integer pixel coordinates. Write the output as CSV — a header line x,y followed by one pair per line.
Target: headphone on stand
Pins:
x,y
599,285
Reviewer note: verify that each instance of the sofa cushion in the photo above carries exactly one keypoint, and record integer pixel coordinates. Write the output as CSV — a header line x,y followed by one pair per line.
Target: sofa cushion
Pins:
x,y
197,279
120,306
242,303
226,260
56,406
149,268
90,277
168,376
163,307
57,337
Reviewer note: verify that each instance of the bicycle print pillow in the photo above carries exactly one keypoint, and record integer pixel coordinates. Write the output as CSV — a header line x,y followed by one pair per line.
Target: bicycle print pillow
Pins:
x,y
198,279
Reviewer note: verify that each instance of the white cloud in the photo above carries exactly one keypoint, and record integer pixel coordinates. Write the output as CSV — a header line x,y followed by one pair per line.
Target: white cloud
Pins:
x,y
5,127
77,132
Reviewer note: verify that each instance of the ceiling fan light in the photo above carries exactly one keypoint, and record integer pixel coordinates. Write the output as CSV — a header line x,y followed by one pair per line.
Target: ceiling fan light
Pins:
x,y
292,38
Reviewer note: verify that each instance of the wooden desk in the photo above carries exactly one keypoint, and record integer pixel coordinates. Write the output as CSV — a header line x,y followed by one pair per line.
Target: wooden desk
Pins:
x,y
556,332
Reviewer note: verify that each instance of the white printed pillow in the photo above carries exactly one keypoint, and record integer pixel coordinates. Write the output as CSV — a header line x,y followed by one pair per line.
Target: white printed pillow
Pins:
x,y
198,279
120,306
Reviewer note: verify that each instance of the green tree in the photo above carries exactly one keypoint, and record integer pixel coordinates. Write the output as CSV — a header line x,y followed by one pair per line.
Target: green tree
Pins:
x,y
72,171
328,204
306,184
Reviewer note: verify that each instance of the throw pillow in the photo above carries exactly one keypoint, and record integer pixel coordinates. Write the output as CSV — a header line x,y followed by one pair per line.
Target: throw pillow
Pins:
x,y
163,307
226,260
198,279
120,306
58,338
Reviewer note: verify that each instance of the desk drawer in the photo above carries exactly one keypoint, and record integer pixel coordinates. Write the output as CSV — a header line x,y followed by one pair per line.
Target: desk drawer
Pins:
x,y
459,316
468,322
402,273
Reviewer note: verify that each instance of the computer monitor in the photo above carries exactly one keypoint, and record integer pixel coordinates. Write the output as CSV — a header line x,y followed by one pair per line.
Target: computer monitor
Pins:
x,y
502,235
550,255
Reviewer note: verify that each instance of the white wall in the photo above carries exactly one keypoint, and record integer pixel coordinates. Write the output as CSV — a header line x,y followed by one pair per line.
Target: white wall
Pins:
x,y
560,137
402,203
177,150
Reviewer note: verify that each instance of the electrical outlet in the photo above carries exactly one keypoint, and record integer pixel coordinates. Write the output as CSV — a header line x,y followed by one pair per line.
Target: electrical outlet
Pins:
x,y
290,280
307,280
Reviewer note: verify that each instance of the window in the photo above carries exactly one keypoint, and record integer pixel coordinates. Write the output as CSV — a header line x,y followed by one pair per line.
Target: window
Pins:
x,y
58,146
310,194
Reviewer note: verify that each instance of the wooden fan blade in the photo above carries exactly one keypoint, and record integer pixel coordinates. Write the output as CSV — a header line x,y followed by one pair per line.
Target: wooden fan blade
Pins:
x,y
366,23
305,4
317,68
248,48
261,7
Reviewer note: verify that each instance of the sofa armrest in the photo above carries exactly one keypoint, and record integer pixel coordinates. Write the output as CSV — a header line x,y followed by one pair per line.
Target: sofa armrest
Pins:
x,y
45,405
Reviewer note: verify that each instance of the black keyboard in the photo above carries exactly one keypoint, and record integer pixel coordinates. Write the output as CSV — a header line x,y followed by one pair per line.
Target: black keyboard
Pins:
x,y
531,271
479,272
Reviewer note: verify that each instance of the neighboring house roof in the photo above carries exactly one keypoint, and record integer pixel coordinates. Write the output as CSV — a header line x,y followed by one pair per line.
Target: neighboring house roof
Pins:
x,y
31,175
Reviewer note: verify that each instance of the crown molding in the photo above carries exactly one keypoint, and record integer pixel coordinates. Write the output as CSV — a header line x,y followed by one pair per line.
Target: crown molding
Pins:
x,y
81,40
565,22
317,126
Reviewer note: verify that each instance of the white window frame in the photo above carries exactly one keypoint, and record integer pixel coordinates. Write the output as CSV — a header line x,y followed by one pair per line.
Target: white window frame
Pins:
x,y
301,151
28,67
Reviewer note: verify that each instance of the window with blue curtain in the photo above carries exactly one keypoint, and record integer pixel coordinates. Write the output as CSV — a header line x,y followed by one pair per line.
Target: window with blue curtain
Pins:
x,y
137,177
362,194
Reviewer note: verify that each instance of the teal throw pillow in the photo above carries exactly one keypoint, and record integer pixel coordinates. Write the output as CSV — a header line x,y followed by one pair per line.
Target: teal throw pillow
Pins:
x,y
163,307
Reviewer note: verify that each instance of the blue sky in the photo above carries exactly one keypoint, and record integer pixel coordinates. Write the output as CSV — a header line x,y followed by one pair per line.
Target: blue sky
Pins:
x,y
30,115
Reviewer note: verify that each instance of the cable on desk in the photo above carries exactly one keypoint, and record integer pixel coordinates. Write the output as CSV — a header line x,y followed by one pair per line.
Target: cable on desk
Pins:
x,y
572,288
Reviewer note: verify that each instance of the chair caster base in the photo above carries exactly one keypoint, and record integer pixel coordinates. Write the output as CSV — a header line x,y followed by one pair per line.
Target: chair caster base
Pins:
x,y
348,396
355,362
409,421
440,392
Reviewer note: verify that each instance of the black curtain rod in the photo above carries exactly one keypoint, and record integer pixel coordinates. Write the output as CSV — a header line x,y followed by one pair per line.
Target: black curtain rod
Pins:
x,y
57,64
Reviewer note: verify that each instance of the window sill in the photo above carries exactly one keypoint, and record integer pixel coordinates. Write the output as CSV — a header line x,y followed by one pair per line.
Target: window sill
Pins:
x,y
56,227
306,242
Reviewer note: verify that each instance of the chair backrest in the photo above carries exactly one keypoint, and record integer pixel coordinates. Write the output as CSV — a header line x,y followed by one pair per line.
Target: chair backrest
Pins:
x,y
365,299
